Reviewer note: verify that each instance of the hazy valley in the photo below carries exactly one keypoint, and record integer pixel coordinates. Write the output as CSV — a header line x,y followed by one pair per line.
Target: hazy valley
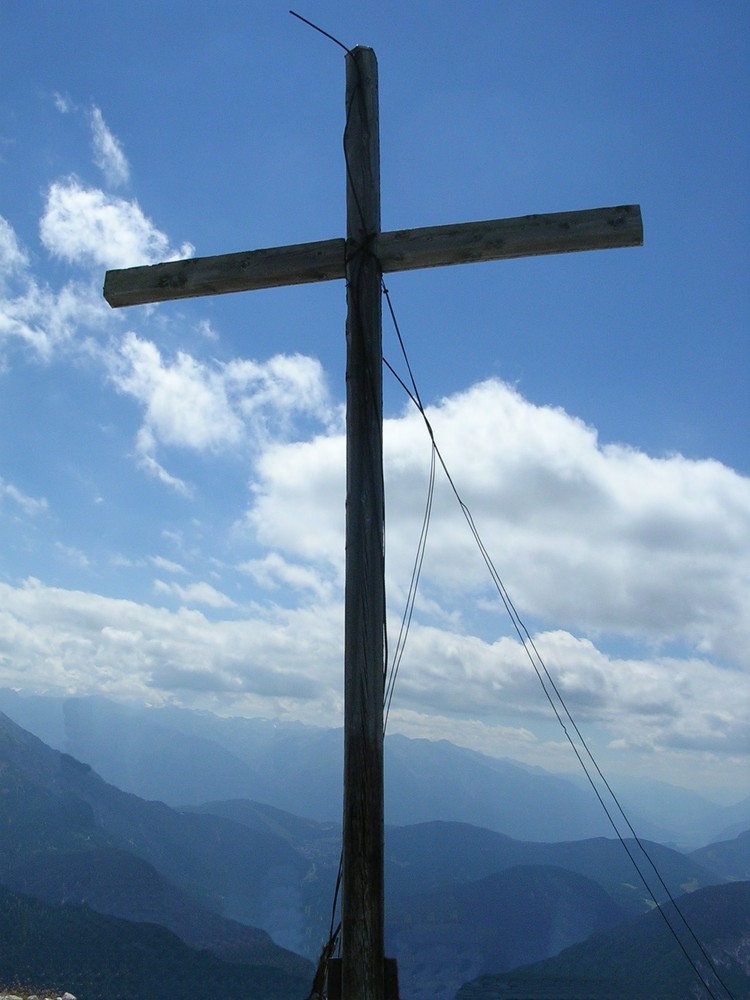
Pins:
x,y
217,842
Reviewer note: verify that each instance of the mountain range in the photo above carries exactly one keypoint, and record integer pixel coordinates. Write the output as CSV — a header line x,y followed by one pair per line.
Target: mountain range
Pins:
x,y
242,882
182,757
74,948
640,960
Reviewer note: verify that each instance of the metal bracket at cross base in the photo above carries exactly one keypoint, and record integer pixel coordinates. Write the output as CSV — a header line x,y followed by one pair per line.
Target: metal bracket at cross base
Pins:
x,y
390,976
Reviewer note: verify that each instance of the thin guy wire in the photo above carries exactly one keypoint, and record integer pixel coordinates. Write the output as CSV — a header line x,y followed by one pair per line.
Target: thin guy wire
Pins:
x,y
413,587
510,609
349,52
515,620
349,178
524,635
412,594
317,28
419,558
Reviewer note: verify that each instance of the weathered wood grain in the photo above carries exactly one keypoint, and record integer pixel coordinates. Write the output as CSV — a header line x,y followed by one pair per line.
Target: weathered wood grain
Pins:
x,y
400,250
504,239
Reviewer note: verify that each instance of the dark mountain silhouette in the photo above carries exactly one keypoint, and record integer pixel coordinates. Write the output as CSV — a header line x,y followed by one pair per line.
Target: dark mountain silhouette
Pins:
x,y
102,958
520,915
52,806
640,960
119,884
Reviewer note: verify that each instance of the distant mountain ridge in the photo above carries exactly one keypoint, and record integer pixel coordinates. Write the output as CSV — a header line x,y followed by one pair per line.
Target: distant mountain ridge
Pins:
x,y
419,854
65,834
456,895
729,860
461,899
183,757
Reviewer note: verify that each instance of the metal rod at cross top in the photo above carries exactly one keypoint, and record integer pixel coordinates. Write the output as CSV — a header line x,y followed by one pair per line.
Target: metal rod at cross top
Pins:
x,y
361,258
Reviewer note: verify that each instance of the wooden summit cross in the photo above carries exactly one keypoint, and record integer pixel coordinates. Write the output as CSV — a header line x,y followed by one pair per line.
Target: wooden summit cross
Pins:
x,y
361,259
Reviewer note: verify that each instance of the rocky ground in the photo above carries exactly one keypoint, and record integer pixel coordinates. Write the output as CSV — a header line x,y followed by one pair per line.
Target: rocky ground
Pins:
x,y
36,996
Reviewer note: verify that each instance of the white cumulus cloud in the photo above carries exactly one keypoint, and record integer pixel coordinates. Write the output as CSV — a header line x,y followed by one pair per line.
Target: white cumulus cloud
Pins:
x,y
288,663
88,226
274,571
43,318
77,642
186,402
600,538
210,407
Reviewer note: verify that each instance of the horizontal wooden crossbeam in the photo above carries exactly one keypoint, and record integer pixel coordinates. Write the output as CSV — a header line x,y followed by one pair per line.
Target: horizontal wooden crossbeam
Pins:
x,y
400,250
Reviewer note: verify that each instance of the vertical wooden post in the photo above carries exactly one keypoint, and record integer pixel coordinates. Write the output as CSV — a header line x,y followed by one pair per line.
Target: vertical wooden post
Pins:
x,y
362,889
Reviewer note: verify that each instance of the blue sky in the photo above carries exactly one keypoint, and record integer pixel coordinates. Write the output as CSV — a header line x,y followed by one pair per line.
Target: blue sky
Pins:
x,y
171,477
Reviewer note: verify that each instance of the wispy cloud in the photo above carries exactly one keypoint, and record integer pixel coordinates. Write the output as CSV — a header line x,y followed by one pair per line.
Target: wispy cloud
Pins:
x,y
195,593
73,555
46,320
145,447
272,393
63,103
205,329
29,505
12,257
167,565
108,154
